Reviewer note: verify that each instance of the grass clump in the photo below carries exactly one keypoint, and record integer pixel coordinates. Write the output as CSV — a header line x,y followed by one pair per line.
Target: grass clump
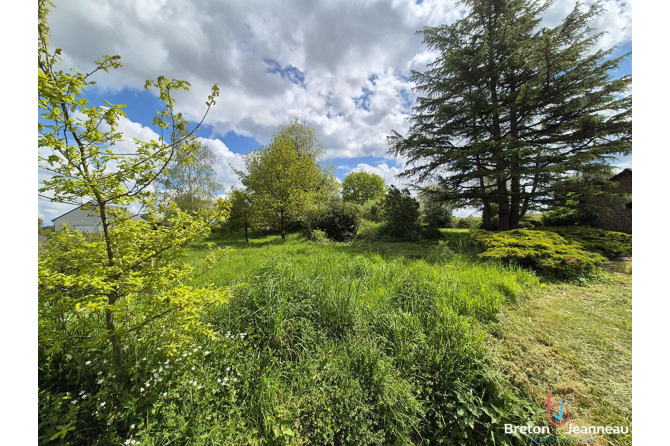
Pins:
x,y
607,243
548,253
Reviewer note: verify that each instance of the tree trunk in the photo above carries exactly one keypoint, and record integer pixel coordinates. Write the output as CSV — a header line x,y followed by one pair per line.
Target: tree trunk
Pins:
x,y
283,225
503,205
246,228
113,296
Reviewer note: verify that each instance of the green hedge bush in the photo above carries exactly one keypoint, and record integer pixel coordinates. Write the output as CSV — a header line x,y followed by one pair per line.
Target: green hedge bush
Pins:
x,y
607,243
339,221
545,252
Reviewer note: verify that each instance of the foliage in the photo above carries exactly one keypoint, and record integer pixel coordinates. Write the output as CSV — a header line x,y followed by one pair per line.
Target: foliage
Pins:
x,y
607,243
339,221
371,210
390,354
286,177
509,107
571,195
189,179
571,214
400,213
360,187
468,222
545,252
243,213
436,209
104,298
44,230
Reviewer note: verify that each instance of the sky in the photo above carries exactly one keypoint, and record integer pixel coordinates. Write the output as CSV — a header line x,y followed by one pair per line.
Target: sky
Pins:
x,y
341,67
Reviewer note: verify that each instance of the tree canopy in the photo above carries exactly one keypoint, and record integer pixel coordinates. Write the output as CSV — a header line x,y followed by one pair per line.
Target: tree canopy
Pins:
x,y
286,177
509,107
189,179
359,187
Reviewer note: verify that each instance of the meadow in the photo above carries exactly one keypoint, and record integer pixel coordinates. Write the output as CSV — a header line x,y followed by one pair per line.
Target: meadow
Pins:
x,y
365,342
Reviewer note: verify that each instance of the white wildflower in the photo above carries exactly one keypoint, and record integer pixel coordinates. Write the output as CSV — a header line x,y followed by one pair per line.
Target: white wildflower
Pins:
x,y
88,362
73,401
103,404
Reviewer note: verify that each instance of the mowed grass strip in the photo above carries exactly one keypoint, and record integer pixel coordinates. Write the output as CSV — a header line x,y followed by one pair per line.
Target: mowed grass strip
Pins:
x,y
577,340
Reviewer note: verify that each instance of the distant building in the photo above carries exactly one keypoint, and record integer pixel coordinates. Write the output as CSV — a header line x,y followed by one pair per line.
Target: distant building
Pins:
x,y
616,213
82,220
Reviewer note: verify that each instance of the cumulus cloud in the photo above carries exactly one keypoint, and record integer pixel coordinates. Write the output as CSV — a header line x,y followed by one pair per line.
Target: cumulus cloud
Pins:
x,y
389,174
226,164
340,66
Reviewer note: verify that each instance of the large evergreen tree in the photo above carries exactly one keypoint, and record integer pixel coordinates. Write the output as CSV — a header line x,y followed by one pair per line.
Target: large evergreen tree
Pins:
x,y
508,107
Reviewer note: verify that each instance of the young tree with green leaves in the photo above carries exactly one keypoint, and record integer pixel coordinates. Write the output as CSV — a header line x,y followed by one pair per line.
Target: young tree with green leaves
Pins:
x,y
287,178
189,179
100,295
360,187
509,107
243,214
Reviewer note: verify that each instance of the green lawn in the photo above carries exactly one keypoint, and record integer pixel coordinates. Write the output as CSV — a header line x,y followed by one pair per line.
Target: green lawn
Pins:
x,y
567,339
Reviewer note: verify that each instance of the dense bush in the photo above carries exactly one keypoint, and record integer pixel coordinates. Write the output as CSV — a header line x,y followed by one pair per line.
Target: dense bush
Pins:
x,y
400,212
372,210
545,252
608,243
467,222
435,209
570,216
338,220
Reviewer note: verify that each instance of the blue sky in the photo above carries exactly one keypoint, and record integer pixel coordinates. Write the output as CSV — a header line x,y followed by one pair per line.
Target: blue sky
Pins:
x,y
341,67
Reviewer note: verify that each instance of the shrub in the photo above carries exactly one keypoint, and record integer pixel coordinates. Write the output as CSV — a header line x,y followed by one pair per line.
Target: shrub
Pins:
x,y
545,252
339,221
468,223
371,211
431,233
318,236
400,212
608,243
570,216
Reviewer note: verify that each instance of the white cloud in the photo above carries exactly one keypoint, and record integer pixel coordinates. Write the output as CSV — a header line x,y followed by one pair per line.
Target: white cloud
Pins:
x,y
335,47
226,161
226,164
389,174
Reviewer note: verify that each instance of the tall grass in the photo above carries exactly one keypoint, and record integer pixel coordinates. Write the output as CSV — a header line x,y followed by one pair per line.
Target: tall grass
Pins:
x,y
350,345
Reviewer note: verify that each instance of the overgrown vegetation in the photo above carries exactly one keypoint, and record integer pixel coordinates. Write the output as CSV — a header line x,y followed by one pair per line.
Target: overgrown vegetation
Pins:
x,y
545,252
339,220
400,214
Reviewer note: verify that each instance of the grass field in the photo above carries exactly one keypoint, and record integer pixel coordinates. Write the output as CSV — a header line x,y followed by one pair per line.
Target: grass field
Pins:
x,y
522,339
368,342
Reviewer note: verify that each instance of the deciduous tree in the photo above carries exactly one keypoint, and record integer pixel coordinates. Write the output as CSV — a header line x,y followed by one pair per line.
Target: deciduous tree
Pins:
x,y
100,295
287,178
359,187
189,179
